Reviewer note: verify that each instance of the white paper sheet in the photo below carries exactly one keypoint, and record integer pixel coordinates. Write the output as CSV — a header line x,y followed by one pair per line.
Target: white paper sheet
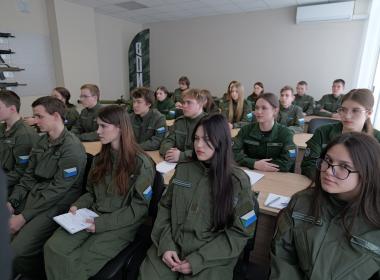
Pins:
x,y
276,201
164,167
253,176
74,223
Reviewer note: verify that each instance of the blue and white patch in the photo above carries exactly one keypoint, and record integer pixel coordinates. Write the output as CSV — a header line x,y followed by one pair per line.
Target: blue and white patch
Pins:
x,y
65,121
301,121
249,218
250,116
148,193
70,172
292,153
161,130
172,113
23,159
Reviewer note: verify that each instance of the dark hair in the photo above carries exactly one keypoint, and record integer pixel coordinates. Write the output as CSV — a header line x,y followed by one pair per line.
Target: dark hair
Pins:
x,y
365,98
287,88
10,98
302,83
209,106
341,81
185,80
253,94
271,98
94,89
65,93
164,89
129,149
364,151
215,126
143,92
52,105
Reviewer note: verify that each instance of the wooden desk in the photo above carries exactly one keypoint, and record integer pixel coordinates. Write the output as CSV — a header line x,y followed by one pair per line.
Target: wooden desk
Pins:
x,y
92,148
300,139
234,132
309,118
169,122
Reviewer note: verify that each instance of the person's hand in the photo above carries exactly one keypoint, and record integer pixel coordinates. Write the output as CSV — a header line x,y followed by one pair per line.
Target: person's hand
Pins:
x,y
91,228
73,209
16,222
266,165
10,208
172,155
178,105
30,121
171,259
184,267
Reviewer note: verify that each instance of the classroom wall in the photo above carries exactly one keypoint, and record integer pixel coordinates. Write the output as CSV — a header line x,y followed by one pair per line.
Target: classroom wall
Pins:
x,y
262,46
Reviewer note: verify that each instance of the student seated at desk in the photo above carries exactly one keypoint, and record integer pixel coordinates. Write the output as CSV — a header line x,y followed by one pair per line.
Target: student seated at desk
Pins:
x,y
71,114
303,100
164,104
355,113
236,109
16,138
183,84
118,188
290,115
51,182
332,230
178,145
329,103
86,126
206,215
149,125
265,145
258,88
209,107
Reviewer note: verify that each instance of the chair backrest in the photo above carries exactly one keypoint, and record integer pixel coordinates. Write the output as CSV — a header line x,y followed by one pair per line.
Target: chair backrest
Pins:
x,y
317,122
157,188
90,158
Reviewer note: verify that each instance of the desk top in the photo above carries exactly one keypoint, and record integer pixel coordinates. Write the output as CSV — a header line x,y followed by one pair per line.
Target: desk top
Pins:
x,y
169,122
300,139
273,182
309,118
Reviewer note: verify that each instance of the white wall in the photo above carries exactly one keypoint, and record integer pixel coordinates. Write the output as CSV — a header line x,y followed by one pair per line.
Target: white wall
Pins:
x,y
113,37
262,46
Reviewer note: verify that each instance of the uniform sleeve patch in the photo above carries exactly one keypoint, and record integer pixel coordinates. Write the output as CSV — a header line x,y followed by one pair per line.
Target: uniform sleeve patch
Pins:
x,y
301,121
23,159
250,116
172,113
70,172
148,193
161,130
292,153
249,218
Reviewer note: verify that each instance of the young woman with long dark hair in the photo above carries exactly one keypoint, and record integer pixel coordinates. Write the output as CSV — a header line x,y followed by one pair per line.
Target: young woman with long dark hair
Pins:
x,y
206,216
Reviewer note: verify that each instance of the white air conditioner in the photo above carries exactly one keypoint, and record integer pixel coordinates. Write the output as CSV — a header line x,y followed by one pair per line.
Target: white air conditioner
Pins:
x,y
339,11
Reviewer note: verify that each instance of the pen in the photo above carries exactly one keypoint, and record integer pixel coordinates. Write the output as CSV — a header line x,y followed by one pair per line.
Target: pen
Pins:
x,y
273,200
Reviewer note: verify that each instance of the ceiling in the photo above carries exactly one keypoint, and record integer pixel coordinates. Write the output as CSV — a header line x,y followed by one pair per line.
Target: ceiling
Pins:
x,y
166,10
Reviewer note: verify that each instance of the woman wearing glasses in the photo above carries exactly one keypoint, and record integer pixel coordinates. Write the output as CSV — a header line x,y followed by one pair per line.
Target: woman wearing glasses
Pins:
x,y
332,230
355,114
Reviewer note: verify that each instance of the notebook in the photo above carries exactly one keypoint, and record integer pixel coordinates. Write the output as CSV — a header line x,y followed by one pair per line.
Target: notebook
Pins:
x,y
74,223
276,201
164,167
254,177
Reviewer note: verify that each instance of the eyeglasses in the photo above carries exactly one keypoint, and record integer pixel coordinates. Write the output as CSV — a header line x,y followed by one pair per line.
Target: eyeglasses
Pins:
x,y
339,171
355,112
85,96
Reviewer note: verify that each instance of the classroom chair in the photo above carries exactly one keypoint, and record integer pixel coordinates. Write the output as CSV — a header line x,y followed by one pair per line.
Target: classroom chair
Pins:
x,y
317,122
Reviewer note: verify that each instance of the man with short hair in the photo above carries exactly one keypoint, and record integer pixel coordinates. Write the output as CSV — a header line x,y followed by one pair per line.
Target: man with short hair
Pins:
x,y
303,100
16,138
51,182
329,103
149,125
86,126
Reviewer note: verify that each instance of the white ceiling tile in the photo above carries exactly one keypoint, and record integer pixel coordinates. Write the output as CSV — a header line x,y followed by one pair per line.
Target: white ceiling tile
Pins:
x,y
109,9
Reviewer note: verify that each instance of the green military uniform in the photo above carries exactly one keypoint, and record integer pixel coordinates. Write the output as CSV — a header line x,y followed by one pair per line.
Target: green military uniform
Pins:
x,y
166,107
71,116
252,99
184,224
321,138
329,103
246,117
51,182
15,146
252,144
149,130
86,126
303,248
180,137
292,117
177,95
82,255
306,102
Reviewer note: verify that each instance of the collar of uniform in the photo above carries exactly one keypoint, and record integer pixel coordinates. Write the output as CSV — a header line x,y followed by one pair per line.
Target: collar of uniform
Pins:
x,y
60,139
205,166
253,133
14,127
336,130
147,115
95,108
282,108
201,115
338,97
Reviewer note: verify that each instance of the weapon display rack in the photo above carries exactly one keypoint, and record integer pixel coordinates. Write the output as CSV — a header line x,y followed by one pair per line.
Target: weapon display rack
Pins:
x,y
7,69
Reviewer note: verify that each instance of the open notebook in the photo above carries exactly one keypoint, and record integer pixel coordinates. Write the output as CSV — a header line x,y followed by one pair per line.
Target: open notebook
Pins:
x,y
276,201
74,223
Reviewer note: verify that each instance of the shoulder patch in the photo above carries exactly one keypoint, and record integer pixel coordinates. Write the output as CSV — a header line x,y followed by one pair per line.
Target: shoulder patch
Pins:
x,y
301,121
161,130
250,116
148,193
23,159
70,172
172,113
248,218
292,153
